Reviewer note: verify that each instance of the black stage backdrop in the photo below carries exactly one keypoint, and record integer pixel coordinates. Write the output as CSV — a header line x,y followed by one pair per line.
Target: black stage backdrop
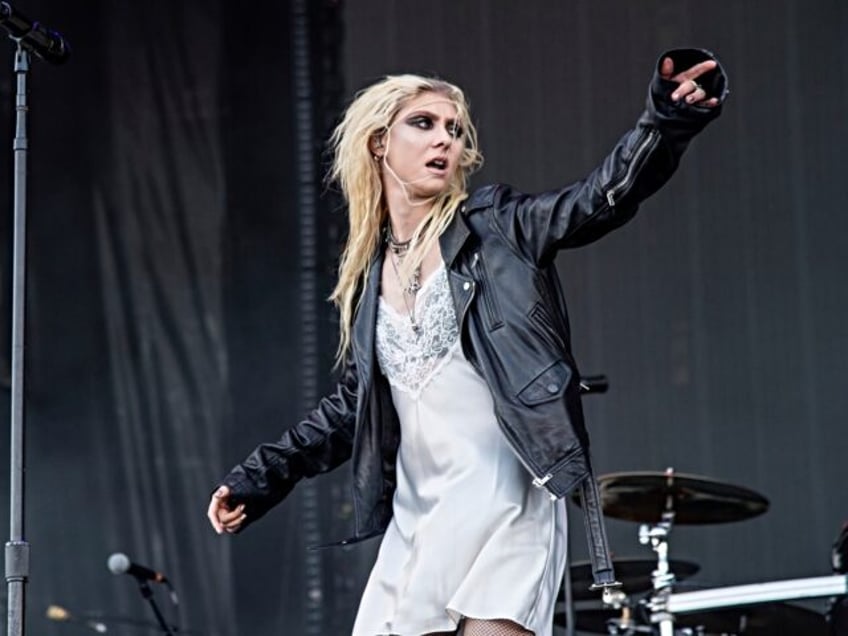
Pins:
x,y
180,249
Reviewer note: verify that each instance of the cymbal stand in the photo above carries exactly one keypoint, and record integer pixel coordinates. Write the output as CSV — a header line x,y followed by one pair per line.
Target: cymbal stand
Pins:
x,y
662,577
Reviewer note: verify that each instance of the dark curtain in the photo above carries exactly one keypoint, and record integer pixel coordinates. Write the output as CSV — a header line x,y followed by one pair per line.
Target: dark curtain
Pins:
x,y
160,200
167,291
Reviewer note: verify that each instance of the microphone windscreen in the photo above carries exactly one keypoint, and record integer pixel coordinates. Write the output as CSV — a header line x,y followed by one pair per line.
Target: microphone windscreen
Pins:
x,y
119,563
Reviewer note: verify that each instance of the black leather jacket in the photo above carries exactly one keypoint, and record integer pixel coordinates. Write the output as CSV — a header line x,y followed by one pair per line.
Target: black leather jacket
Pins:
x,y
499,252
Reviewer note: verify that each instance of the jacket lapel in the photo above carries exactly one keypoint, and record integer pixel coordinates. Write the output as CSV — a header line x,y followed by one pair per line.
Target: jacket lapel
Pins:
x,y
454,237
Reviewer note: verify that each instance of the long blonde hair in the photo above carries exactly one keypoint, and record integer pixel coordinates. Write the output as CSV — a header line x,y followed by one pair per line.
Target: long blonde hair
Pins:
x,y
369,116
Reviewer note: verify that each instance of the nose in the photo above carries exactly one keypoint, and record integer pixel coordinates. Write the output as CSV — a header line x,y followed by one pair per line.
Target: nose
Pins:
x,y
443,138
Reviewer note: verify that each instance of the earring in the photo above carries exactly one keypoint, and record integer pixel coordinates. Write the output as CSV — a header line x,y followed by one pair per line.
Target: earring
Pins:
x,y
376,157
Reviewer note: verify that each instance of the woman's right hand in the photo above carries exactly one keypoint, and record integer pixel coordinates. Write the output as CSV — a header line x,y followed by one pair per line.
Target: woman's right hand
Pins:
x,y
222,518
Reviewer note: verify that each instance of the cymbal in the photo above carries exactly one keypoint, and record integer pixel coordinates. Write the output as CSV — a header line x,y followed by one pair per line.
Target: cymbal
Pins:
x,y
751,620
633,573
644,496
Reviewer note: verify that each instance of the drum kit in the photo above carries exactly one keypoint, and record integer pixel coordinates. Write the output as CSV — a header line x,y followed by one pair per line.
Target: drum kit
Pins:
x,y
647,603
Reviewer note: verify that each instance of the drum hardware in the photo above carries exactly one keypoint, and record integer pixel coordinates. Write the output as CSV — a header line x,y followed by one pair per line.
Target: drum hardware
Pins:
x,y
754,620
738,595
620,602
635,574
657,536
663,578
658,500
620,621
737,607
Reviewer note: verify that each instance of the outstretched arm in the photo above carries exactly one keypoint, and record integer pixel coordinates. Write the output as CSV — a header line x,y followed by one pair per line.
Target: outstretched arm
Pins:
x,y
686,93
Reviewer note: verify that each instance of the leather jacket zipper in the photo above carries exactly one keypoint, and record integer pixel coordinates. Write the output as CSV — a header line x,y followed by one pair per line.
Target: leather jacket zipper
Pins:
x,y
477,264
538,482
639,155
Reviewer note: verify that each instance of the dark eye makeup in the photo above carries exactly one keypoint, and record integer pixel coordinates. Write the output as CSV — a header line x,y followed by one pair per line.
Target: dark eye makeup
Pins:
x,y
425,122
455,129
421,121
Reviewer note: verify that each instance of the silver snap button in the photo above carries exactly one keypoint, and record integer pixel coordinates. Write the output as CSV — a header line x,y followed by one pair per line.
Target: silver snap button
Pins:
x,y
552,388
466,286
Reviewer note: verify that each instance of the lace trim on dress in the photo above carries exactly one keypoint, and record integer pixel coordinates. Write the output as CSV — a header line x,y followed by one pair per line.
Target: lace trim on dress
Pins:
x,y
411,360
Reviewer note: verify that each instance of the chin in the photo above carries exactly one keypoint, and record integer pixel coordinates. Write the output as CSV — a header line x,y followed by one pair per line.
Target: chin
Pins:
x,y
430,193
434,190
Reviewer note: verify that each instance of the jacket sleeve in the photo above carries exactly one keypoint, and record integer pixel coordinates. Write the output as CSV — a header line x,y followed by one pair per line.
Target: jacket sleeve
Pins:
x,y
641,162
319,443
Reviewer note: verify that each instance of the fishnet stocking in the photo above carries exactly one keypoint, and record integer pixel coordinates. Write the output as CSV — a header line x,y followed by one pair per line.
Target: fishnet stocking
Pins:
x,y
476,627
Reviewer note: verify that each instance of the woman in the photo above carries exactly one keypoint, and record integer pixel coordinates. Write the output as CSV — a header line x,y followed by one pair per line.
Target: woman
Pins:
x,y
459,398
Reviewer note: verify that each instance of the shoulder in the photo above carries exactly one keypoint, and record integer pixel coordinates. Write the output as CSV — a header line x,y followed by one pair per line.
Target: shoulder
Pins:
x,y
490,196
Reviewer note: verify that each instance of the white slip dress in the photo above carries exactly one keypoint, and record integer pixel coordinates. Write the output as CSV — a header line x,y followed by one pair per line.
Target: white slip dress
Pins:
x,y
470,535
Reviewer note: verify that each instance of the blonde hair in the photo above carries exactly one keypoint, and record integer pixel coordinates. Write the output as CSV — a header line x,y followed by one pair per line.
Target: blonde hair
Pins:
x,y
369,116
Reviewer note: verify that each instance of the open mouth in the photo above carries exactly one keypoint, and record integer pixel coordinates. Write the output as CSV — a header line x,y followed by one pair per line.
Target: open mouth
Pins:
x,y
438,164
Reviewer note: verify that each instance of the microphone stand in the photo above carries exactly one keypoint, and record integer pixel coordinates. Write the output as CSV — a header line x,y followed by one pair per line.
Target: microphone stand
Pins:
x,y
147,593
17,550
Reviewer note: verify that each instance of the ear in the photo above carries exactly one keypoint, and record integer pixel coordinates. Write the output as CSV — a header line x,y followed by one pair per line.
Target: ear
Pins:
x,y
375,144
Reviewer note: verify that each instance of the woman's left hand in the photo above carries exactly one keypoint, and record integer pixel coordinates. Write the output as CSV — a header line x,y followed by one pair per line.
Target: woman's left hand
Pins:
x,y
688,87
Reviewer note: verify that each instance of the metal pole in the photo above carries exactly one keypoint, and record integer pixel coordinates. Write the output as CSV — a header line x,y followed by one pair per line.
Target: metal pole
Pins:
x,y
17,550
316,603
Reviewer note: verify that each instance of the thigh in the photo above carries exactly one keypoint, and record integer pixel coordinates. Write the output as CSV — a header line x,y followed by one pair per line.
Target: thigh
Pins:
x,y
477,627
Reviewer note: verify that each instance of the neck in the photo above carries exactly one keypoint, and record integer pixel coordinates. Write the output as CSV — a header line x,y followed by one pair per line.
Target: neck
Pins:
x,y
405,216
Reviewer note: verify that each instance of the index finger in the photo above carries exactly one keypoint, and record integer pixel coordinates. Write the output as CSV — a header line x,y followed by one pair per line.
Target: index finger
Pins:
x,y
695,71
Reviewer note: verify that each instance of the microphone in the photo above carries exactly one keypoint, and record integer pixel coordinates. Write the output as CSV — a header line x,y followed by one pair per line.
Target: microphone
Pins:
x,y
119,563
593,384
60,614
47,44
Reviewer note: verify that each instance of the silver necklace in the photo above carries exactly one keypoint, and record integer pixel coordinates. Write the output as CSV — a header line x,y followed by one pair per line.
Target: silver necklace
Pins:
x,y
398,247
397,252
